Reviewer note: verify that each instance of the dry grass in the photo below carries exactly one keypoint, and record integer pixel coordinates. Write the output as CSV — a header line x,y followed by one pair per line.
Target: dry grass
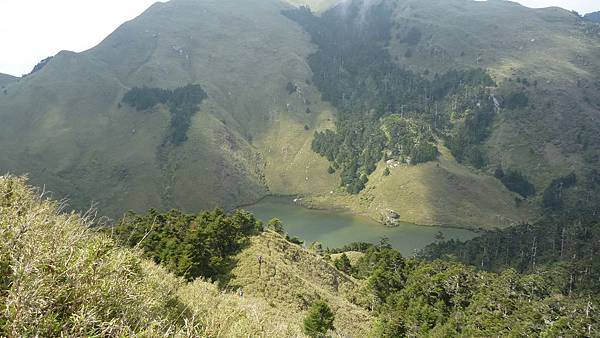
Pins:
x,y
292,277
59,277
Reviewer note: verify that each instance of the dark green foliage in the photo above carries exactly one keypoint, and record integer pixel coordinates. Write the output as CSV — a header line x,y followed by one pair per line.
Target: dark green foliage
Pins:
x,y
294,240
515,181
444,299
319,320
183,103
276,225
145,98
516,100
355,72
291,88
386,172
343,263
190,246
354,246
413,37
330,170
567,247
553,195
41,65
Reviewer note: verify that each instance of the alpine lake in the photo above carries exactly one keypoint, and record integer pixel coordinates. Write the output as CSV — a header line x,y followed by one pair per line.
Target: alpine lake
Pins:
x,y
334,228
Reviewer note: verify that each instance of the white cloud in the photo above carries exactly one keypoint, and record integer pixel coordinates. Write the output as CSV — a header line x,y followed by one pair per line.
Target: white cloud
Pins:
x,y
582,6
31,30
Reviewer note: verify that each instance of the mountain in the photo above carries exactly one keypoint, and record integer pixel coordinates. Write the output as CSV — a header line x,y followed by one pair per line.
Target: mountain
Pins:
x,y
6,79
595,16
68,126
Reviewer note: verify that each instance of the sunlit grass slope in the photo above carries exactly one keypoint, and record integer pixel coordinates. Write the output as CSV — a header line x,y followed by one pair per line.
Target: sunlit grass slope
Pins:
x,y
291,278
64,124
61,277
436,193
555,50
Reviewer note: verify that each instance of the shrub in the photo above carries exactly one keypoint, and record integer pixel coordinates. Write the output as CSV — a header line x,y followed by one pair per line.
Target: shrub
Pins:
x,y
319,320
342,263
515,181
516,100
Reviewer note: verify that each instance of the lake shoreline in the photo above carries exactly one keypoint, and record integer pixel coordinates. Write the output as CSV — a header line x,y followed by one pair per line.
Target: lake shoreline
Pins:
x,y
305,202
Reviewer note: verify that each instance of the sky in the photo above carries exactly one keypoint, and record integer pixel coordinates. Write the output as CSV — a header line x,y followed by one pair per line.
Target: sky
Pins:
x,y
31,30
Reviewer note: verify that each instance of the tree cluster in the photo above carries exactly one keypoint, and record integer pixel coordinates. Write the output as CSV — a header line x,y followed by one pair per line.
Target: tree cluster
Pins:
x,y
182,102
354,71
515,181
190,246
416,298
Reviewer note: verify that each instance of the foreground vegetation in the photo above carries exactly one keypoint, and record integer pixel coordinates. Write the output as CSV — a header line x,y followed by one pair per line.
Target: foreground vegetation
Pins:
x,y
61,277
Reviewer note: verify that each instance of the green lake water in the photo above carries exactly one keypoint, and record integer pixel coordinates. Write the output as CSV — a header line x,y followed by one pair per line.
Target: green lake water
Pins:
x,y
336,228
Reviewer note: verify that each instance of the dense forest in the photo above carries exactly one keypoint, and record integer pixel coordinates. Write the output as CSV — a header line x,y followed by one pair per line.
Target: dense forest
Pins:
x,y
385,110
190,246
563,246
182,102
446,299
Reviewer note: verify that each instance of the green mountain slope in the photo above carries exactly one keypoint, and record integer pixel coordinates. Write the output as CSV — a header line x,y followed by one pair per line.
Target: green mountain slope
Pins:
x,y
6,79
66,124
554,50
547,56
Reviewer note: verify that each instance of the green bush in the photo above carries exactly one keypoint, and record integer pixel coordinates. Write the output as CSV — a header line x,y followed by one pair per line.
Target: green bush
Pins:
x,y
319,320
190,246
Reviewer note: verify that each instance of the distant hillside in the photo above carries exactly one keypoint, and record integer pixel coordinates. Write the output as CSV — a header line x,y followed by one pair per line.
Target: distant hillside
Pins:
x,y
68,126
595,17
6,79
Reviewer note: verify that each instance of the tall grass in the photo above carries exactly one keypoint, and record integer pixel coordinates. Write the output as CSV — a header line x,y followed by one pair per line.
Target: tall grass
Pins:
x,y
60,277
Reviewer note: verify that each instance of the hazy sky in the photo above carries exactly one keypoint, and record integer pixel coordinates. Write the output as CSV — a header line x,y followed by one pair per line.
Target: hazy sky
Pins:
x,y
31,30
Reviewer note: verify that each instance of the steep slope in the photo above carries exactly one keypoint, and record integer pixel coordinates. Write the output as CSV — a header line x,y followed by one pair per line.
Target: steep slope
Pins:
x,y
65,124
551,55
6,79
595,17
292,278
548,56
61,277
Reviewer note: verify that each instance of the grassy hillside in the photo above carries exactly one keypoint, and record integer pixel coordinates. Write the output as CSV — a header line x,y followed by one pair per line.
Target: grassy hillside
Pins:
x,y
66,127
550,55
292,278
442,193
62,277
554,49
6,79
